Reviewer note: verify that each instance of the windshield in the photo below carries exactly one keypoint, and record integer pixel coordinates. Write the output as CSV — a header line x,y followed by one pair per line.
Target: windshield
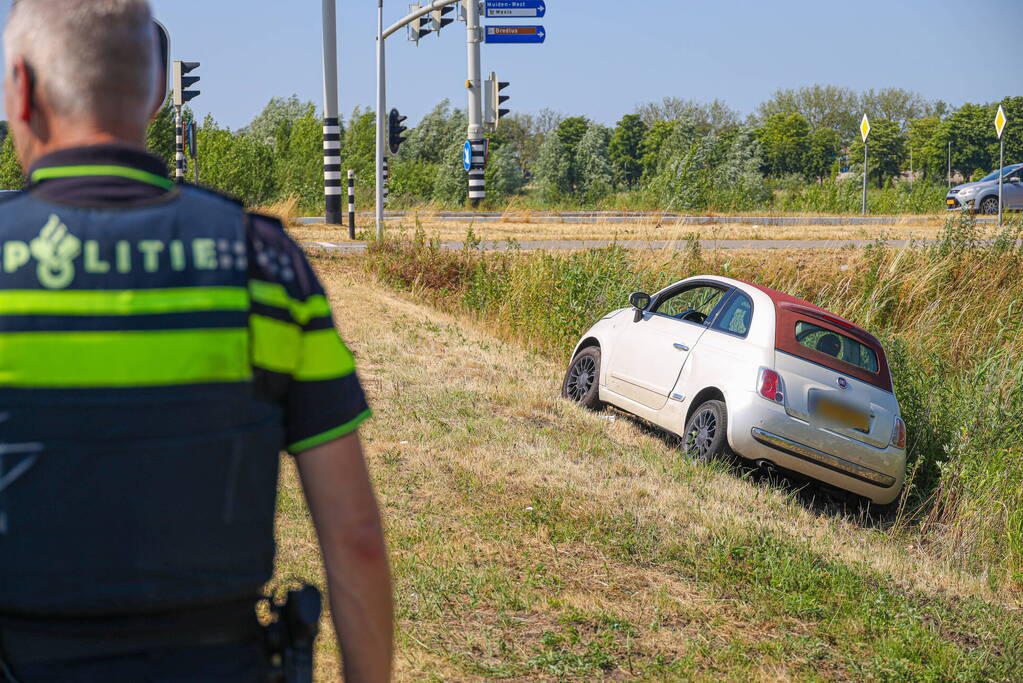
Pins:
x,y
994,175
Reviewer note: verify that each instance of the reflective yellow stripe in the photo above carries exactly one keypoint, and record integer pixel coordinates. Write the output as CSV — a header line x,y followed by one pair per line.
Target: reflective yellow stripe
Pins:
x,y
308,356
123,359
271,294
98,170
330,435
123,302
324,356
275,345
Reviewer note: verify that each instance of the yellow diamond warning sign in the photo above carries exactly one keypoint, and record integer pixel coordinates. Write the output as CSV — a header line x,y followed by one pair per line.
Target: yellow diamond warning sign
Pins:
x,y
1000,121
865,127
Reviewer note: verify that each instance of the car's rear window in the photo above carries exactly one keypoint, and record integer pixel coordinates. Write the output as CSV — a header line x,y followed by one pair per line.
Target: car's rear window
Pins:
x,y
837,345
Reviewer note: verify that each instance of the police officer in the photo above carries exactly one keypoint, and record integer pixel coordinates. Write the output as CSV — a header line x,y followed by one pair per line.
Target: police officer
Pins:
x,y
158,347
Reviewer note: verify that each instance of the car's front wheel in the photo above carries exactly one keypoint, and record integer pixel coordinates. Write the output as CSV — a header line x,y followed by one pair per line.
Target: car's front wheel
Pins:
x,y
989,206
582,379
706,433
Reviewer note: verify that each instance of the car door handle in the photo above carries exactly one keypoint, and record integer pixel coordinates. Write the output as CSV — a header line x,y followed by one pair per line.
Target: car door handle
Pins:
x,y
681,347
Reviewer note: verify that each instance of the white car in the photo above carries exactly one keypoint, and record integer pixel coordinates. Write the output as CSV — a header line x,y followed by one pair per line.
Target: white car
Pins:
x,y
729,365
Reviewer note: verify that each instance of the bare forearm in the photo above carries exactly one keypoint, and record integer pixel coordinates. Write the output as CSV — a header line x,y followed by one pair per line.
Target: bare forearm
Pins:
x,y
361,607
347,521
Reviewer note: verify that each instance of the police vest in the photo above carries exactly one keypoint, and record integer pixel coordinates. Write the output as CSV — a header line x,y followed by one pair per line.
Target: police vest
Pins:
x,y
138,451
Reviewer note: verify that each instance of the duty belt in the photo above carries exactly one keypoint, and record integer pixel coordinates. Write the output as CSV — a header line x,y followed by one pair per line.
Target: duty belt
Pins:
x,y
29,641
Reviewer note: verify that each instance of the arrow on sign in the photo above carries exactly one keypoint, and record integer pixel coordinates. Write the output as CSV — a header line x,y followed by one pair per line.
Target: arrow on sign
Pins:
x,y
1000,121
516,34
536,9
865,127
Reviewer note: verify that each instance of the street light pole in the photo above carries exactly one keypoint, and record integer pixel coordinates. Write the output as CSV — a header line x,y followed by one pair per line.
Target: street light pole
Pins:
x,y
331,125
950,164
381,106
474,84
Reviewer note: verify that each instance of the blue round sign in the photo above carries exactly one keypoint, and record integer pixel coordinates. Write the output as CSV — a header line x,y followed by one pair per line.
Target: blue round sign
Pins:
x,y
467,155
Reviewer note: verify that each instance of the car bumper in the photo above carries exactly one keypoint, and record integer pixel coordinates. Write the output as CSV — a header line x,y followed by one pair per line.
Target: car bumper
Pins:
x,y
953,203
761,430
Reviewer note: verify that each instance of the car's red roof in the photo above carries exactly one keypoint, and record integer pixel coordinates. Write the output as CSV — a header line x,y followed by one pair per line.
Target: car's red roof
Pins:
x,y
786,306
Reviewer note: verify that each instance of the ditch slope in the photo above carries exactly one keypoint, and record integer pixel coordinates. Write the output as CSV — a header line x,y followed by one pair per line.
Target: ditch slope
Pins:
x,y
532,540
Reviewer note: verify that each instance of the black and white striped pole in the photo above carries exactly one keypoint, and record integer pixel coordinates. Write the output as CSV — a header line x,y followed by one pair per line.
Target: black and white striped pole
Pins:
x,y
351,204
477,174
331,123
387,178
179,146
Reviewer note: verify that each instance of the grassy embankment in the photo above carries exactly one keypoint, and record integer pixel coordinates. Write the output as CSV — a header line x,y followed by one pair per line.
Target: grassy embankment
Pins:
x,y
951,315
533,540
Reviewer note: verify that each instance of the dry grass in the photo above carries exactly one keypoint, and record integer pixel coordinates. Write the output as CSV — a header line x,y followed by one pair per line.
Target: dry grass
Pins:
x,y
286,210
533,540
529,228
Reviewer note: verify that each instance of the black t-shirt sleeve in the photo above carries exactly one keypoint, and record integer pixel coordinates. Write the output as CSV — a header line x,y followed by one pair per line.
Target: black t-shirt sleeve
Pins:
x,y
294,341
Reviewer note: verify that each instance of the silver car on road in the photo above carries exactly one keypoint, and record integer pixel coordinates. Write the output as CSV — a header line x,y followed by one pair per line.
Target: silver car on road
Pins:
x,y
982,196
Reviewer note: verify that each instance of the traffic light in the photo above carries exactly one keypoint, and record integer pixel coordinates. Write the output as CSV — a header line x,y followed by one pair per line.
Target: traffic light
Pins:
x,y
440,19
182,82
494,99
420,27
395,129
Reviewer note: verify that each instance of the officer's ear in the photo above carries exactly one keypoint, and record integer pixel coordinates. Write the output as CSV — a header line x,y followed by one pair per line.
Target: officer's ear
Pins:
x,y
162,67
21,84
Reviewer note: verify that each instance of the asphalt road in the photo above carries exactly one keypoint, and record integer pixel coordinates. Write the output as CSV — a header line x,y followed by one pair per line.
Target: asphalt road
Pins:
x,y
569,245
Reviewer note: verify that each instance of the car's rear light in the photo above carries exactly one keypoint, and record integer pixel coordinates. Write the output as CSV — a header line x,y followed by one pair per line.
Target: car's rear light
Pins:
x,y
771,386
899,433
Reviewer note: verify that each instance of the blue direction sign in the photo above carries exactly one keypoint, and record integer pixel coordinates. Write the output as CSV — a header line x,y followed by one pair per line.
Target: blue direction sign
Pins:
x,y
534,35
533,9
467,155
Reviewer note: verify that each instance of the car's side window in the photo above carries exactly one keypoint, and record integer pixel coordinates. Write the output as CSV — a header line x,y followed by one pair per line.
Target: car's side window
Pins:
x,y
736,316
694,304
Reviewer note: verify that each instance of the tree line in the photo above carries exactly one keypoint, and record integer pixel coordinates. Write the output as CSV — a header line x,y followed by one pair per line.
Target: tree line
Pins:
x,y
795,152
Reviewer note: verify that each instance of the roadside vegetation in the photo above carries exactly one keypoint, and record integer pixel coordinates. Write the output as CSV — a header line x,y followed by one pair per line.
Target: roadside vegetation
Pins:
x,y
798,152
532,540
950,314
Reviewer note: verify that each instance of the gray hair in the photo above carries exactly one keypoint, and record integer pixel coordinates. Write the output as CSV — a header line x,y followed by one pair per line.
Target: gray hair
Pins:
x,y
93,59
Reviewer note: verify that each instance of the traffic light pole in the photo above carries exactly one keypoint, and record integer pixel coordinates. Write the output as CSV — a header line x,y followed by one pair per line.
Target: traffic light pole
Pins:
x,y
331,124
181,82
381,108
179,146
474,84
475,122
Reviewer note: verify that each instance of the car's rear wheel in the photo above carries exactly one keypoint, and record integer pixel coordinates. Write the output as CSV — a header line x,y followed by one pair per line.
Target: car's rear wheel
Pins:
x,y
706,433
989,206
582,379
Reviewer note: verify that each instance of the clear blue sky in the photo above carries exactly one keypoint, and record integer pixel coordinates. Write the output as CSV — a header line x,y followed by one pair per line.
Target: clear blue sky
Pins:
x,y
603,57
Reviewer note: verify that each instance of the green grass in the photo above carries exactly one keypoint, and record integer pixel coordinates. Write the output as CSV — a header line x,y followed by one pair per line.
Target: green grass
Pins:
x,y
532,540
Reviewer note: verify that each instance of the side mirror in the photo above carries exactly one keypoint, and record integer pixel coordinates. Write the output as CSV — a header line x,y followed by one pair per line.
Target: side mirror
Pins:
x,y
639,301
1014,179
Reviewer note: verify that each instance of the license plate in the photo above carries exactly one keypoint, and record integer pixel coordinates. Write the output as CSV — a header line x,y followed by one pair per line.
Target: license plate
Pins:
x,y
950,202
841,414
